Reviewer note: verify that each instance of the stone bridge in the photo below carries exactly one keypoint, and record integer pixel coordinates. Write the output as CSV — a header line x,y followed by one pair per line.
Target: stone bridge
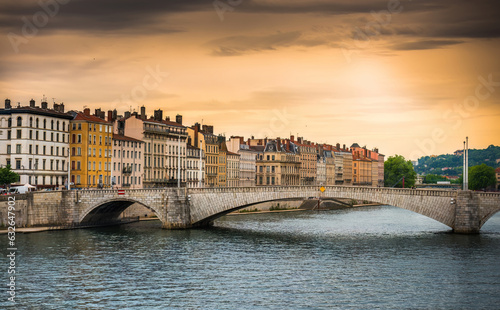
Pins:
x,y
463,211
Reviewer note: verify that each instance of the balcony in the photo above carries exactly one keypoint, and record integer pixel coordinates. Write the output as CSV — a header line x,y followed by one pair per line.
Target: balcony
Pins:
x,y
127,170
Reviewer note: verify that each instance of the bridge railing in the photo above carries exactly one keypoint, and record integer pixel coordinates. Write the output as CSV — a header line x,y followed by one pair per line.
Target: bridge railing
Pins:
x,y
328,189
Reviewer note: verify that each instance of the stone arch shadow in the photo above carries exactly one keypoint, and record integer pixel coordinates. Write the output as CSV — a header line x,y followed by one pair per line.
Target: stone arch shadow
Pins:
x,y
110,210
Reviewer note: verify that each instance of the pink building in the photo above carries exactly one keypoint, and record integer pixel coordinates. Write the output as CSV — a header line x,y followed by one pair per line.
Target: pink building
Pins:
x,y
127,162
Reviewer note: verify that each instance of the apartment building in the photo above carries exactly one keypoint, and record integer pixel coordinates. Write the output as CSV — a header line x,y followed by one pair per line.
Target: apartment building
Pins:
x,y
34,142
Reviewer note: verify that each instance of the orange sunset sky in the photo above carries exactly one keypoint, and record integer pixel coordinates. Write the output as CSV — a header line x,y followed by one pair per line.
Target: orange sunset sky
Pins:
x,y
409,77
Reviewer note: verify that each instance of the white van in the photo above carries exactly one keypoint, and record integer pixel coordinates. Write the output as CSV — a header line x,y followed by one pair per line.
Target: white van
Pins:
x,y
21,189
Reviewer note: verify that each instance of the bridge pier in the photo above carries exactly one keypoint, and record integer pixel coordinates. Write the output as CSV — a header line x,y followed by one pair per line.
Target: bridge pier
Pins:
x,y
178,215
467,217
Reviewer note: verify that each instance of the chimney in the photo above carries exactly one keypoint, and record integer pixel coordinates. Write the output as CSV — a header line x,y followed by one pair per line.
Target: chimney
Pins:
x,y
86,111
338,146
44,105
178,119
167,118
102,115
61,107
32,103
143,112
343,147
127,114
292,138
110,116
115,114
7,104
158,115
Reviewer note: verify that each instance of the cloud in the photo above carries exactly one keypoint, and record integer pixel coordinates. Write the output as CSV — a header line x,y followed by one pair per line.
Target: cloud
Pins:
x,y
424,44
239,45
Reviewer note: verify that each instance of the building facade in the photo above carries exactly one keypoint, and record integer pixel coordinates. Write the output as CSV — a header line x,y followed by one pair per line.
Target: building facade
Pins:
x,y
195,167
248,158
233,169
204,137
34,141
278,164
91,147
127,162
164,146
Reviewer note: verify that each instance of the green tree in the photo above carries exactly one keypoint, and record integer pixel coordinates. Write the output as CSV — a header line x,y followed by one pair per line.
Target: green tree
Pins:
x,y
481,177
433,179
395,167
7,176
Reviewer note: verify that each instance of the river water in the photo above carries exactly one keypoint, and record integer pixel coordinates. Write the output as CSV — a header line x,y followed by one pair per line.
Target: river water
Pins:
x,y
364,258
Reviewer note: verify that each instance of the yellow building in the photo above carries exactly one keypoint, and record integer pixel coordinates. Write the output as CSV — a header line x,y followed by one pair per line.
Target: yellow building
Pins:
x,y
90,146
205,138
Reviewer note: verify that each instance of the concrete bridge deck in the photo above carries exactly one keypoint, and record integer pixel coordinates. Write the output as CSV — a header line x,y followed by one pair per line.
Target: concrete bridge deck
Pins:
x,y
463,211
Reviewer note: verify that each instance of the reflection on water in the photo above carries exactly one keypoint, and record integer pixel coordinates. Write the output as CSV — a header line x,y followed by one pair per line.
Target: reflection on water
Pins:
x,y
375,257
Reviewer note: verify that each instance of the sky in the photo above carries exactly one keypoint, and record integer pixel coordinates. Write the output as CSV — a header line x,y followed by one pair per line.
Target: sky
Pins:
x,y
412,77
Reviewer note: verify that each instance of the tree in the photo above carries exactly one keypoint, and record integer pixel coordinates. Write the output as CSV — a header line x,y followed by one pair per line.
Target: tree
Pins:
x,y
433,179
397,167
7,176
481,177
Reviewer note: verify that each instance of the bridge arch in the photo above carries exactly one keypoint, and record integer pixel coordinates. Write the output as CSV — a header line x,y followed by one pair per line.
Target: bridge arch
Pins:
x,y
110,210
210,204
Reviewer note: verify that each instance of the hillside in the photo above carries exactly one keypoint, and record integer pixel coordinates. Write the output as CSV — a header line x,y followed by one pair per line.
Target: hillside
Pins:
x,y
451,164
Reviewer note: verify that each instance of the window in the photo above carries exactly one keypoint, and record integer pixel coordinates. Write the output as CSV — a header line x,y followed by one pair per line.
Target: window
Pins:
x,y
30,149
44,136
57,126
18,148
31,134
79,126
36,149
74,126
8,149
8,134
79,151
44,124
19,134
79,139
44,149
64,126
31,121
37,123
18,164
36,135
52,124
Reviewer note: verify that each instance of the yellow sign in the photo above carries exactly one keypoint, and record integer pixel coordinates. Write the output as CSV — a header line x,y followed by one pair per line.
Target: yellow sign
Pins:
x,y
322,189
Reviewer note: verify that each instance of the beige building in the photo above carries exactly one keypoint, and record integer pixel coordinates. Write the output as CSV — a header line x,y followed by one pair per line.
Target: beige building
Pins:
x,y
222,163
233,169
127,162
205,138
308,161
347,167
164,144
279,164
248,158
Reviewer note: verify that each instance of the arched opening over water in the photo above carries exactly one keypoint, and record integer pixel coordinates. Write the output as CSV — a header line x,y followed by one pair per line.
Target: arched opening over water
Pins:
x,y
110,211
